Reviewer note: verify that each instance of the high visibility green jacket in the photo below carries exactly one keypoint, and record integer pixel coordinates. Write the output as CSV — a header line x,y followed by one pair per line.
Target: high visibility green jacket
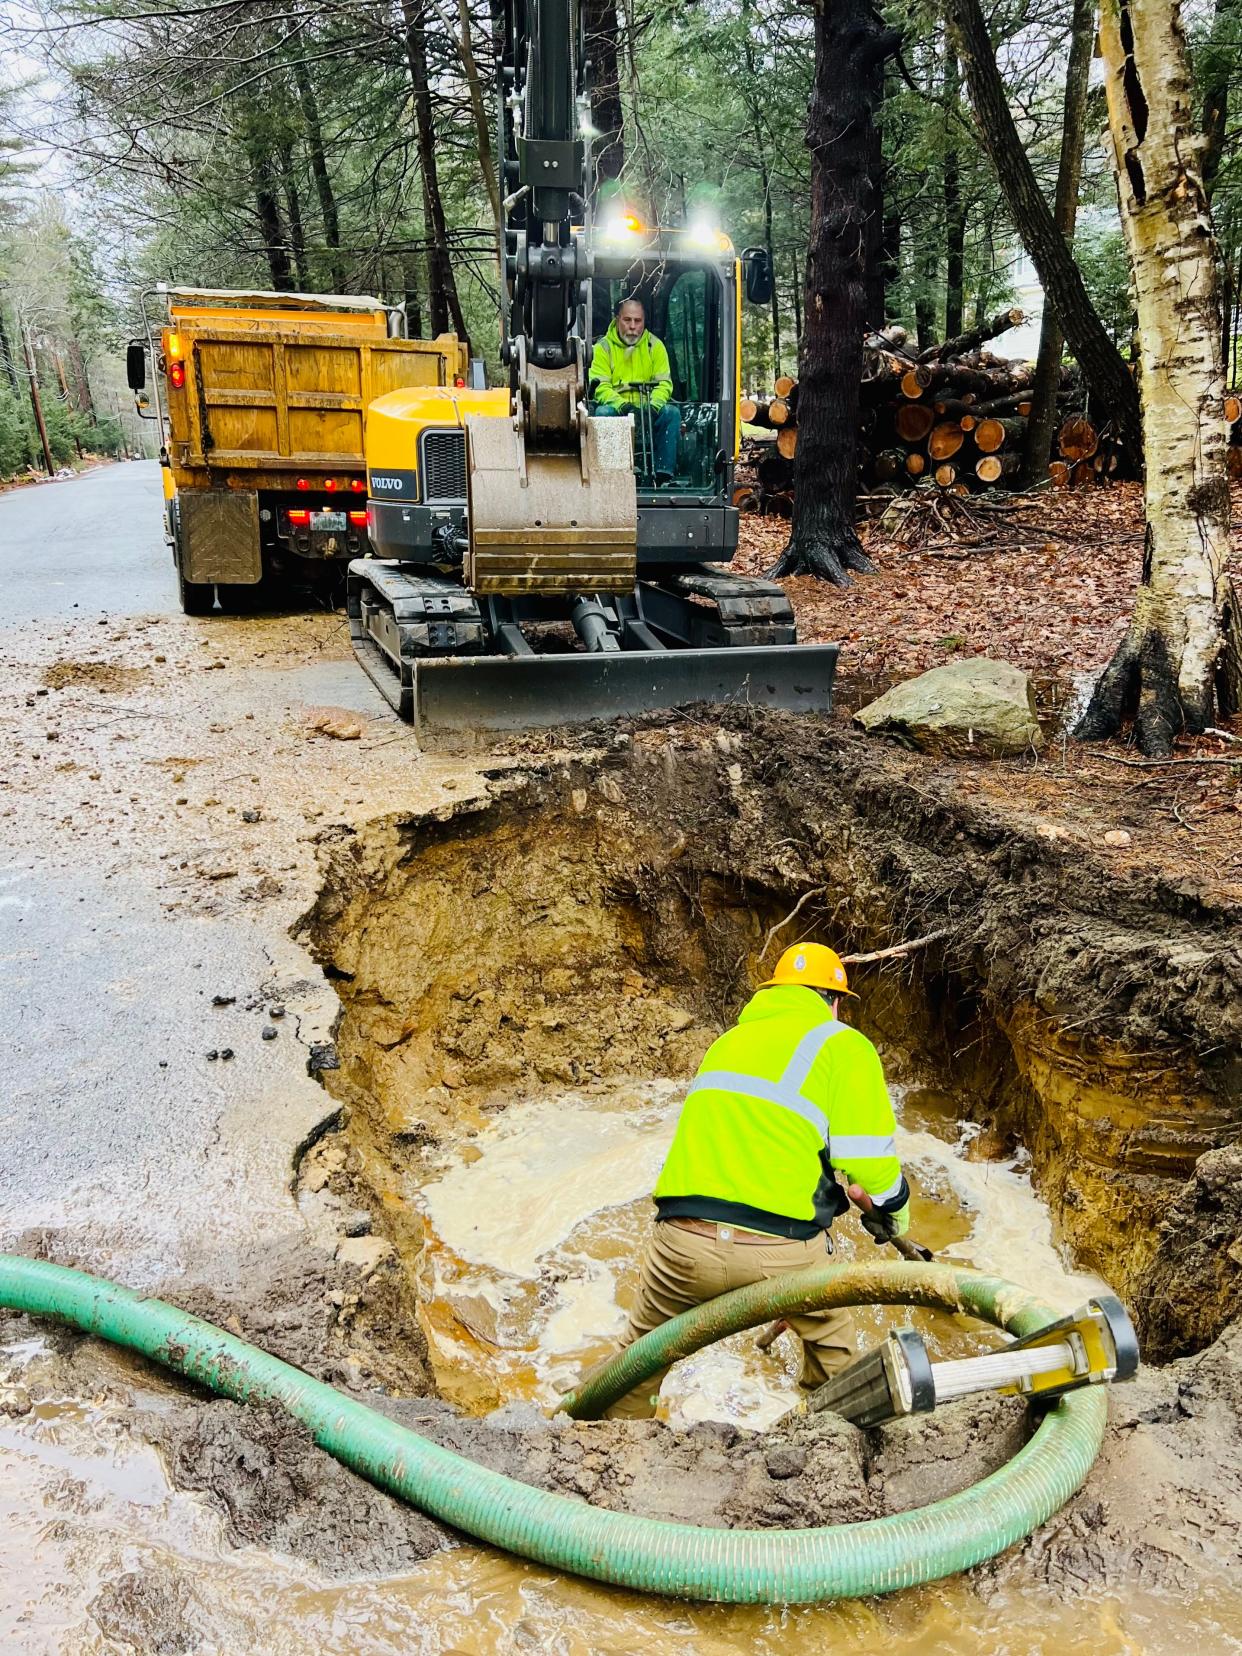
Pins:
x,y
788,1096
615,364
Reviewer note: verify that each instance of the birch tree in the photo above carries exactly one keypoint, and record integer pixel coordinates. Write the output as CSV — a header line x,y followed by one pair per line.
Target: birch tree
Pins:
x,y
1174,665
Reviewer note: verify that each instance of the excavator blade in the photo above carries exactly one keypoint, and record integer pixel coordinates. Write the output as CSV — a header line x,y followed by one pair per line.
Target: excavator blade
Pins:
x,y
456,696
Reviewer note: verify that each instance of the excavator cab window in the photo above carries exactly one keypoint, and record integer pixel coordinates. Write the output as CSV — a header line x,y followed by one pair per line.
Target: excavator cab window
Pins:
x,y
684,308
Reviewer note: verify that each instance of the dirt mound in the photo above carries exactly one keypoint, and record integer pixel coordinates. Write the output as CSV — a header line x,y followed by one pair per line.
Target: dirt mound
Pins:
x,y
104,676
277,1490
299,1305
1198,1265
149,1612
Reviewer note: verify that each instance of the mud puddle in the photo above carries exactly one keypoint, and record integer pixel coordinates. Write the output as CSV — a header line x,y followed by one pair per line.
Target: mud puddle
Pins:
x,y
532,1238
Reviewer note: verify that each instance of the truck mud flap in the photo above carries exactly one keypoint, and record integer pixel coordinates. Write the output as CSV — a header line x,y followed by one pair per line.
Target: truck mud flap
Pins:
x,y
451,699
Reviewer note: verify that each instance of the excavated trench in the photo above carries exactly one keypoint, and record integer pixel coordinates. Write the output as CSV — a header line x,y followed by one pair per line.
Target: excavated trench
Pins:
x,y
525,981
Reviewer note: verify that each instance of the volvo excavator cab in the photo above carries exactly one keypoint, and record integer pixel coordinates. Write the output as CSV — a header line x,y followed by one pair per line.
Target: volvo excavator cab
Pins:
x,y
532,566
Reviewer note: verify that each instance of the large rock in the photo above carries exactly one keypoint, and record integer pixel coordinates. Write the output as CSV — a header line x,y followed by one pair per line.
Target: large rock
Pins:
x,y
968,709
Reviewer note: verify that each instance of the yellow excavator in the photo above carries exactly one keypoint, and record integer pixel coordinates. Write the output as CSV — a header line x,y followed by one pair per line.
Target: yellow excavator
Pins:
x,y
530,566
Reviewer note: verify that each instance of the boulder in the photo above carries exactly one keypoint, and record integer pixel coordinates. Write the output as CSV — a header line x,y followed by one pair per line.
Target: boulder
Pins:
x,y
967,709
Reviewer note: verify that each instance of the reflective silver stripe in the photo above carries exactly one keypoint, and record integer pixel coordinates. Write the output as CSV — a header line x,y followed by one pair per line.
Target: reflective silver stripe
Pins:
x,y
806,1052
787,1090
771,1092
887,1195
862,1148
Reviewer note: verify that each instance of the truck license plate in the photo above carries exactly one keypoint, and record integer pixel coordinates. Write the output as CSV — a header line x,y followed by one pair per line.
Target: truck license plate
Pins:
x,y
328,520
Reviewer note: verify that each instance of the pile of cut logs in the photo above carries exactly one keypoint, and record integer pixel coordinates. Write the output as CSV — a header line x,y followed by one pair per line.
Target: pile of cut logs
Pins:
x,y
953,416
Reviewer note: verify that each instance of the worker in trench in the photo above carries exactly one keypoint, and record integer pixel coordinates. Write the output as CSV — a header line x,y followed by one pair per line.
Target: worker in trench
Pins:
x,y
629,365
783,1101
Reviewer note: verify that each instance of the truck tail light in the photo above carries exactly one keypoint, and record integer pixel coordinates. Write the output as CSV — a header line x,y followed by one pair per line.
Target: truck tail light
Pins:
x,y
459,382
358,519
329,484
176,375
299,519
302,483
357,484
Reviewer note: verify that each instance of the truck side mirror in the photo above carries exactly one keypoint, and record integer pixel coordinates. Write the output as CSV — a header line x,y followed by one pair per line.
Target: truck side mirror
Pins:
x,y
136,365
757,274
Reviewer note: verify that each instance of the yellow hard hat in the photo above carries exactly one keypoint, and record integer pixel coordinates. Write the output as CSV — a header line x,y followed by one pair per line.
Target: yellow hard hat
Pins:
x,y
813,965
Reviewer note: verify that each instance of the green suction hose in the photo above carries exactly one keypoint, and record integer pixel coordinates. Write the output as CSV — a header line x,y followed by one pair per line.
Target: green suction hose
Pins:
x,y
732,1566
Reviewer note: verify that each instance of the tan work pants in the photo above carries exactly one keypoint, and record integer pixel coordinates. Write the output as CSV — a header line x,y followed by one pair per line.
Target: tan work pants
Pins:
x,y
683,1268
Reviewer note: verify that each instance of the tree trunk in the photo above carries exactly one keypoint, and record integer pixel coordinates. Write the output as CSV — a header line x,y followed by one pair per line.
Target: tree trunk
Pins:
x,y
1065,211
36,403
85,399
7,365
851,45
926,265
267,208
413,303
954,210
1170,666
888,264
293,206
1059,276
765,179
600,24
319,172
443,301
478,109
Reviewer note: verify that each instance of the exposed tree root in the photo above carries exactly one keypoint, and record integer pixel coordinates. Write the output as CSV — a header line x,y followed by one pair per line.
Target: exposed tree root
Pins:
x,y
827,557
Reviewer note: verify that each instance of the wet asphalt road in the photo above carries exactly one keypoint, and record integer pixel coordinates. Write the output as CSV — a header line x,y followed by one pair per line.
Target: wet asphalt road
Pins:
x,y
86,545
118,1135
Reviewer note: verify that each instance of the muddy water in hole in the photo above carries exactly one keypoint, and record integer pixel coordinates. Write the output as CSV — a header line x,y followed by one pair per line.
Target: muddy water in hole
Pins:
x,y
532,1230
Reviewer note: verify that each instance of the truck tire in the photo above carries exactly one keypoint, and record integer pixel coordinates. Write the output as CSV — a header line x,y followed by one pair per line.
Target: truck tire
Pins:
x,y
197,597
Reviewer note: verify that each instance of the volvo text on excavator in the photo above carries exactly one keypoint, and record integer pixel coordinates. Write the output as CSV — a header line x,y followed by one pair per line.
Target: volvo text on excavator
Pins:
x,y
530,565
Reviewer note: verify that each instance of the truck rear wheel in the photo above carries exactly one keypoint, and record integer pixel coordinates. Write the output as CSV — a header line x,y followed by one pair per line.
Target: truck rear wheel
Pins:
x,y
197,597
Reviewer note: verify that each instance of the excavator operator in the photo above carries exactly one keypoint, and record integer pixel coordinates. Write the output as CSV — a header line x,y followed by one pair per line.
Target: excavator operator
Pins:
x,y
629,366
782,1102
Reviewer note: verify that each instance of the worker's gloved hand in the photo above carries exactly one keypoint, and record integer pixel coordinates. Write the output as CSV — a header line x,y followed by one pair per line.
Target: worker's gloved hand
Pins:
x,y
885,1226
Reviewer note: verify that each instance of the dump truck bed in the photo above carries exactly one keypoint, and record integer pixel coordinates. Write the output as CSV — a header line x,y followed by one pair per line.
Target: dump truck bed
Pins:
x,y
271,394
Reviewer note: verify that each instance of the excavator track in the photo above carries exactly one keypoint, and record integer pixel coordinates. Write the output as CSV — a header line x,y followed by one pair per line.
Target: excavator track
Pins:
x,y
398,617
728,611
452,666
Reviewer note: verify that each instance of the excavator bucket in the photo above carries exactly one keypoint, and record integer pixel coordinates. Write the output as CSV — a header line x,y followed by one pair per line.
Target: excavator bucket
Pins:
x,y
550,522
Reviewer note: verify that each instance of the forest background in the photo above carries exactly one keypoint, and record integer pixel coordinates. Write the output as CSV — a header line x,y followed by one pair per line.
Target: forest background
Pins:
x,y
335,147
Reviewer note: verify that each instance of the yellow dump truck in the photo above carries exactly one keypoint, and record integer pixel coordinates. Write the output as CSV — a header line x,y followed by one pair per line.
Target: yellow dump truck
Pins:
x,y
261,399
